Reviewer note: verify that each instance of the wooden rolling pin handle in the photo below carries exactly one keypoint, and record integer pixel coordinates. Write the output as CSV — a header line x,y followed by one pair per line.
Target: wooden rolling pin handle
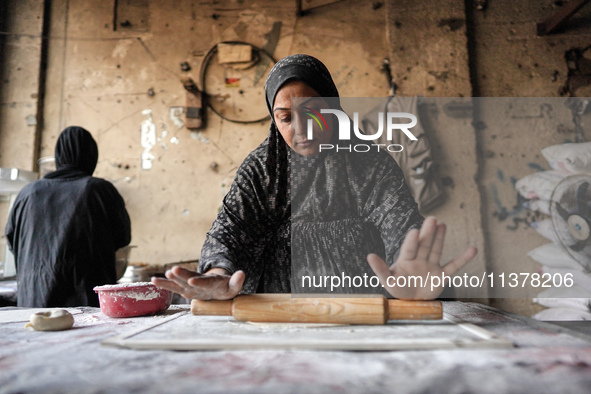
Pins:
x,y
250,305
284,308
212,307
414,310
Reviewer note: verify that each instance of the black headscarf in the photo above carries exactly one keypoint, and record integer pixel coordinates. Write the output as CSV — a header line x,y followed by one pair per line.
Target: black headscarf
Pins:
x,y
76,153
313,73
303,68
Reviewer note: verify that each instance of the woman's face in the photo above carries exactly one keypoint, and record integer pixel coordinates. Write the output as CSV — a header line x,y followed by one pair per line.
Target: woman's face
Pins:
x,y
292,122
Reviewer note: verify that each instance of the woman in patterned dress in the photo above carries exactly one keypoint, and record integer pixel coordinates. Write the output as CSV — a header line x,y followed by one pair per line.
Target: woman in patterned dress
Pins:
x,y
294,210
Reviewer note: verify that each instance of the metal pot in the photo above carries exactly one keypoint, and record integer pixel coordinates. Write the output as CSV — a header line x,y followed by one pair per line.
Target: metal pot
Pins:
x,y
122,259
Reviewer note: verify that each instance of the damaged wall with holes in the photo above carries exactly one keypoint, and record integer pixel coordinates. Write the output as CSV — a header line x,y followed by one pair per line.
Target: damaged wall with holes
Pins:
x,y
510,60
117,68
123,70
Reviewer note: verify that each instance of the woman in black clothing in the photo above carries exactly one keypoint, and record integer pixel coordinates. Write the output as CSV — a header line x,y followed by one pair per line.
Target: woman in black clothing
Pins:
x,y
64,229
295,210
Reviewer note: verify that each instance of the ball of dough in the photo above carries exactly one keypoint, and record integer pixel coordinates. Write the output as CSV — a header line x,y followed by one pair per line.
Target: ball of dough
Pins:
x,y
55,320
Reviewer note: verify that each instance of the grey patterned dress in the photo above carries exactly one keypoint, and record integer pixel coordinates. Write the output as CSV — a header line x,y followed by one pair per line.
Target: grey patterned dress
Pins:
x,y
288,215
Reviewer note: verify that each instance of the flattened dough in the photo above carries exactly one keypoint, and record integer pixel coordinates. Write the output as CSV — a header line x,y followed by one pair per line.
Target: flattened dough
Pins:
x,y
55,320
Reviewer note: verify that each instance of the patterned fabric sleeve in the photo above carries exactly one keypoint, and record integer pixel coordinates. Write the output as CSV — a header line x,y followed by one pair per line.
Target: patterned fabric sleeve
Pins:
x,y
244,225
390,206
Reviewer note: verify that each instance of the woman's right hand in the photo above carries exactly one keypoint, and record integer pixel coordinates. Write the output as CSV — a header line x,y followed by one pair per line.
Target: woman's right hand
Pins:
x,y
215,284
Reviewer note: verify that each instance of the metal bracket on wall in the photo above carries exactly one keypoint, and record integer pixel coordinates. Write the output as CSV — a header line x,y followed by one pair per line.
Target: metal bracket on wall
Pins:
x,y
194,114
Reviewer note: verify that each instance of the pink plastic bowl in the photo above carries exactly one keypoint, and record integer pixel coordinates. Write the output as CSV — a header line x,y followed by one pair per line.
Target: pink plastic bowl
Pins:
x,y
132,299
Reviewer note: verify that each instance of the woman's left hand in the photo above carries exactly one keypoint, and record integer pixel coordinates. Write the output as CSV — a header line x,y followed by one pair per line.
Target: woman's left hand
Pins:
x,y
420,256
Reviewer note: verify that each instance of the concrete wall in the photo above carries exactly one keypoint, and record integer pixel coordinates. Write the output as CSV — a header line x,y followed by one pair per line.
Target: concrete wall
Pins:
x,y
510,60
100,80
439,49
429,54
98,77
22,23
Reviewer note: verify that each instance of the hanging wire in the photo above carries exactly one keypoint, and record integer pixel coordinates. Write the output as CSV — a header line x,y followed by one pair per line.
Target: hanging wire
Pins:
x,y
203,71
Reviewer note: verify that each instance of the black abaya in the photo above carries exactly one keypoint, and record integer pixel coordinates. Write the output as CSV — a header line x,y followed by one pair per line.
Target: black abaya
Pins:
x,y
64,229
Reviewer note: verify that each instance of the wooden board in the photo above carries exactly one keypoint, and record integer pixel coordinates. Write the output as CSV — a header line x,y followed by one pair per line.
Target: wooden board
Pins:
x,y
234,53
187,332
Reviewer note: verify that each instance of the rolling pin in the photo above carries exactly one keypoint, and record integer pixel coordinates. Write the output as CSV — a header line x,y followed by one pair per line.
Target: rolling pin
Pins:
x,y
285,308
